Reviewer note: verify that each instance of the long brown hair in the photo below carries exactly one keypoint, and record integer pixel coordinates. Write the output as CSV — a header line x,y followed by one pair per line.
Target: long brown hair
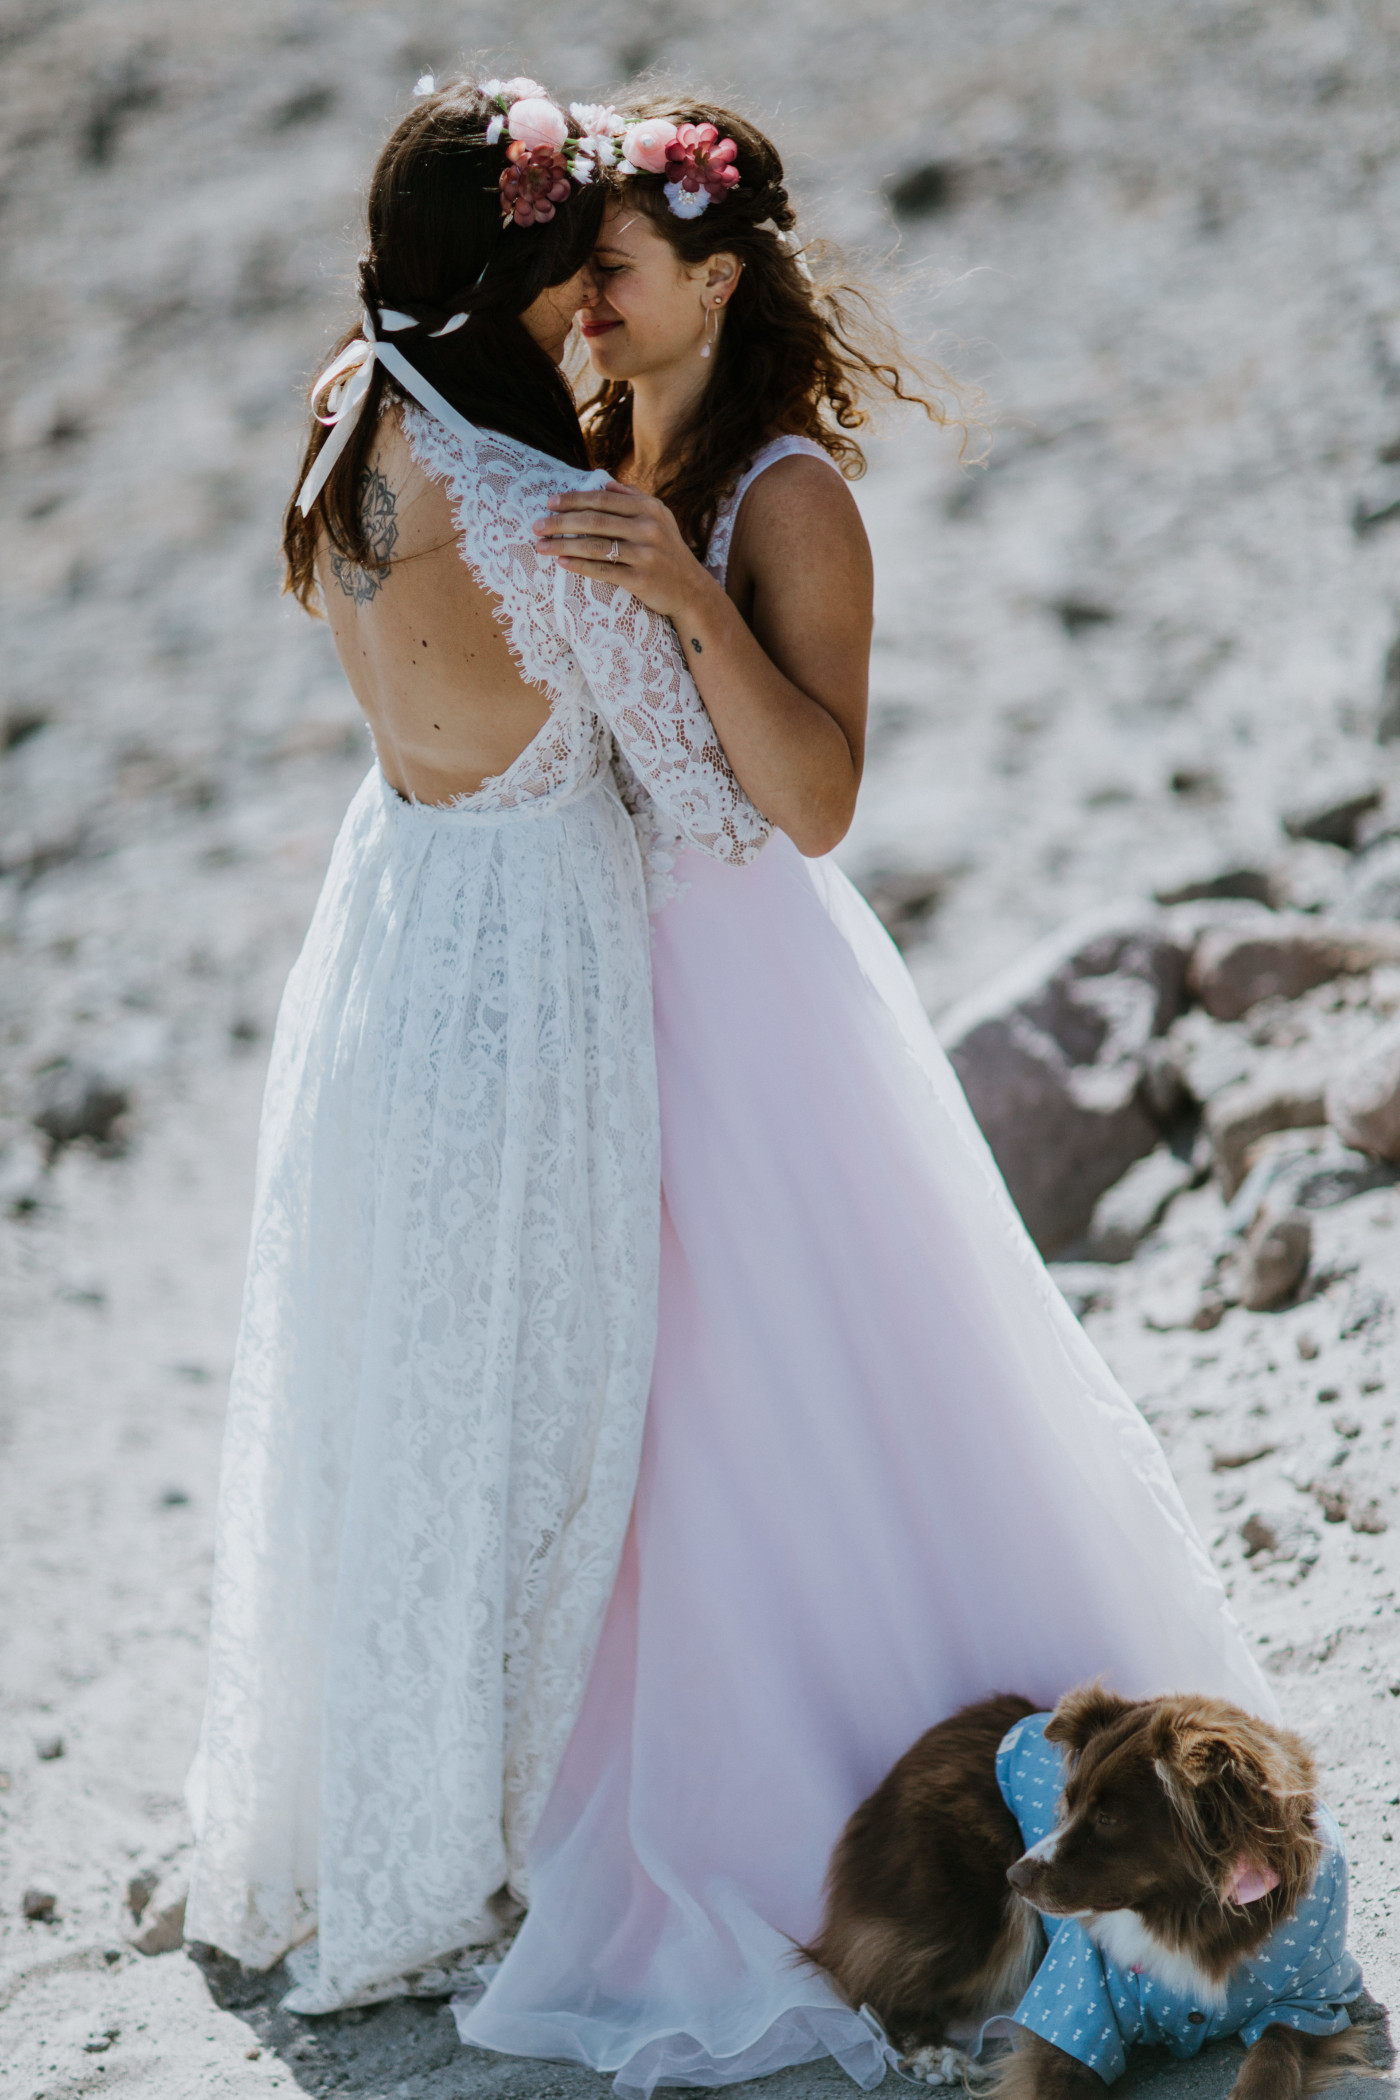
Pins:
x,y
795,356
437,247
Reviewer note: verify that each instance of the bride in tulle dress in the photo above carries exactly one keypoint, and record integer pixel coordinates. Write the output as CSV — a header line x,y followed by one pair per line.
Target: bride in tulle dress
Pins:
x,y
884,1472
448,1325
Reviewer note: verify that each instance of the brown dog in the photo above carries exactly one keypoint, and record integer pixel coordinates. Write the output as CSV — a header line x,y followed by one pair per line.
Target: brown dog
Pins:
x,y
1187,1834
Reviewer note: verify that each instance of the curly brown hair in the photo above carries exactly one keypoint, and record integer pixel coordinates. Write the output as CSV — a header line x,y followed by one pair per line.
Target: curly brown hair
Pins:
x,y
797,356
437,246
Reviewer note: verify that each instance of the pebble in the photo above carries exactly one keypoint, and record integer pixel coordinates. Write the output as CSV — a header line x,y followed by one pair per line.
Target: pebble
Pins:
x,y
161,1926
48,1747
1334,819
38,1905
1275,1260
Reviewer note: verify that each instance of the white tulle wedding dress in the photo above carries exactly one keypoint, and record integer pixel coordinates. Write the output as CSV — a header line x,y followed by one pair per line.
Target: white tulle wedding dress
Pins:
x,y
448,1328
884,1473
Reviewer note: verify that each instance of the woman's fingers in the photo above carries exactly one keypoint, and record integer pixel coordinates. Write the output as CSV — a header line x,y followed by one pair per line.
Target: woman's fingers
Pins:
x,y
615,499
593,547
562,525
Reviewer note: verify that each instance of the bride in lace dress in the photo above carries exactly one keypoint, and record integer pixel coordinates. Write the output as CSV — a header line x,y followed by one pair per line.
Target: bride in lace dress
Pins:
x,y
884,1471
448,1326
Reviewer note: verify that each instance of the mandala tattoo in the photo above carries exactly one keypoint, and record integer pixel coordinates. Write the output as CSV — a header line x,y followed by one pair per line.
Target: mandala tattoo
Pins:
x,y
381,525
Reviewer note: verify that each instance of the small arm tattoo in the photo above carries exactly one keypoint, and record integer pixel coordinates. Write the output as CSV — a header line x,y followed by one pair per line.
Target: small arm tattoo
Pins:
x,y
379,517
695,644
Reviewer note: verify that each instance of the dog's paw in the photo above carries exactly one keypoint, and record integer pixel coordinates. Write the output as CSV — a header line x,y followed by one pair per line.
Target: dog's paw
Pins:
x,y
936,2064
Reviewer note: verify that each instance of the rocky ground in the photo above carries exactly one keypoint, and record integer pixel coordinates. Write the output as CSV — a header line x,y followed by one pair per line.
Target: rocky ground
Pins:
x,y
1113,667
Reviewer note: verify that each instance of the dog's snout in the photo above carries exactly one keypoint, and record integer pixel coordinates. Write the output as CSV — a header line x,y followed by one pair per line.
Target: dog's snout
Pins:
x,y
1022,1873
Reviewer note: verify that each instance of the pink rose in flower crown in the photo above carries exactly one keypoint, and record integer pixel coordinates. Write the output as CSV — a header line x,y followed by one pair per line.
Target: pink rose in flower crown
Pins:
x,y
646,144
699,159
534,122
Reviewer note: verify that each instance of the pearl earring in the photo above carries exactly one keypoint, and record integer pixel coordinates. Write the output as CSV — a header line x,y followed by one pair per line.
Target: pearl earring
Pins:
x,y
710,327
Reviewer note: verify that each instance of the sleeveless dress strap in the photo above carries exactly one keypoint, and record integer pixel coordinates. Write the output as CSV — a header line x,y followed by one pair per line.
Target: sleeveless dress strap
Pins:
x,y
717,553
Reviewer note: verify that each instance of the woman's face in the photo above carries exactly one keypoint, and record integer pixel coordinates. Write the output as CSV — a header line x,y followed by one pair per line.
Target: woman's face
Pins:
x,y
647,311
550,317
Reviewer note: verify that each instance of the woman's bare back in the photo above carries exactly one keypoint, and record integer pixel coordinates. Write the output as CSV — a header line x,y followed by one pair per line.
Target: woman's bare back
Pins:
x,y
419,640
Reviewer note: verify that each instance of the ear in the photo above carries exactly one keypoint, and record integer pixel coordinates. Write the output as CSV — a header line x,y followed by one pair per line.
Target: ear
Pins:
x,y
721,275
1083,1712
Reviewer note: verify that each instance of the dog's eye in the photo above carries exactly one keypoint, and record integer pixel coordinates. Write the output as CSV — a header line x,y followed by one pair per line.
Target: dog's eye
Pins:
x,y
1104,1820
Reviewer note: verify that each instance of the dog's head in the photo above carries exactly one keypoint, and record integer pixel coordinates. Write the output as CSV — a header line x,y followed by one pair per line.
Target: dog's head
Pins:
x,y
1174,1808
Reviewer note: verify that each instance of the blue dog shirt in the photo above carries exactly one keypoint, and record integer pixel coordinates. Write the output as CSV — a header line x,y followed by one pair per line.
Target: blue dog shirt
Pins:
x,y
1092,2008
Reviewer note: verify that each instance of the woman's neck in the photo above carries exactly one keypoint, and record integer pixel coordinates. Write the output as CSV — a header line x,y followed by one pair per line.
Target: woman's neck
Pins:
x,y
663,404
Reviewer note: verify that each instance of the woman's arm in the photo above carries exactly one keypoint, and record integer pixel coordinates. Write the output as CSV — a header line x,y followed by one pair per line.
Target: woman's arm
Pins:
x,y
786,687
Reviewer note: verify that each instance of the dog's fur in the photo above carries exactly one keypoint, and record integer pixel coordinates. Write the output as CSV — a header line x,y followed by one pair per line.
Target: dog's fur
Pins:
x,y
932,1902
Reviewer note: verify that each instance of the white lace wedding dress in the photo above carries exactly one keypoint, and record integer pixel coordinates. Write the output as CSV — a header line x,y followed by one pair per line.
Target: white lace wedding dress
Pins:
x,y
449,1319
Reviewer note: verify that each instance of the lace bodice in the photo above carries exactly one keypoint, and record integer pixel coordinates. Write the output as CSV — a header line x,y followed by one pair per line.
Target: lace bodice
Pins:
x,y
606,662
661,840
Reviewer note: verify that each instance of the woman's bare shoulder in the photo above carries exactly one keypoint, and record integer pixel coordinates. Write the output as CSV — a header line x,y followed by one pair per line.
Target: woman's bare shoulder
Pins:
x,y
800,506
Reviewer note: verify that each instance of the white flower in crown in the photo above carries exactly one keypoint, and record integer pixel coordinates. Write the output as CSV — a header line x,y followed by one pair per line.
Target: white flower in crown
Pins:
x,y
601,128
584,167
494,129
686,204
520,88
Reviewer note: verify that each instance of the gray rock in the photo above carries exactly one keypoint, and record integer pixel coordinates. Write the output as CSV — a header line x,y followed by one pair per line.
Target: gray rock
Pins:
x,y
1275,1260
70,1101
1281,1534
48,1747
1333,819
38,1905
160,1928
905,899
1369,1516
1051,1055
1316,1173
1363,1098
140,1889
1252,885
1288,1100
1233,968
1126,1213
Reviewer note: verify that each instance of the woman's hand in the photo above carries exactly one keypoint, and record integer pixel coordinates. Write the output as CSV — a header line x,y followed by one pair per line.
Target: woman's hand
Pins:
x,y
625,537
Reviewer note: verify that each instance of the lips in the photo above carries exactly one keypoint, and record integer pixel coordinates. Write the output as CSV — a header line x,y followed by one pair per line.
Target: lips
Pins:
x,y
589,329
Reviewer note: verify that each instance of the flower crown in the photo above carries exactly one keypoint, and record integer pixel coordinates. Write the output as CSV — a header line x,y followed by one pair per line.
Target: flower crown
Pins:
x,y
543,157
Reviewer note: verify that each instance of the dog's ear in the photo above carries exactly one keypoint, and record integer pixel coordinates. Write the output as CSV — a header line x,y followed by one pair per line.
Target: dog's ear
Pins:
x,y
1083,1712
1243,1791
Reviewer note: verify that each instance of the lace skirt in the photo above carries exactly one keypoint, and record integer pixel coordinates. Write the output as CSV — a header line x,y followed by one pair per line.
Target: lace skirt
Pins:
x,y
439,1385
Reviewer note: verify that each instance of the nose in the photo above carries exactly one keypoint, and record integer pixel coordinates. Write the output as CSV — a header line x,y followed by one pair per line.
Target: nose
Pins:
x,y
588,285
1022,1874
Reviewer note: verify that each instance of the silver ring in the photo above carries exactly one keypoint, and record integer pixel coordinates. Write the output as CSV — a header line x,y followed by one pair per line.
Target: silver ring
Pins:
x,y
612,551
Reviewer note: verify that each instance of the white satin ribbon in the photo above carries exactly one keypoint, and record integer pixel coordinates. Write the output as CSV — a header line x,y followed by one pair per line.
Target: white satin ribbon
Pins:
x,y
349,376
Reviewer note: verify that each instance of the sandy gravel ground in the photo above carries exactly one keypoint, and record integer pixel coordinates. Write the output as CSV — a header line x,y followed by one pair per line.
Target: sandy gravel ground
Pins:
x,y
1105,665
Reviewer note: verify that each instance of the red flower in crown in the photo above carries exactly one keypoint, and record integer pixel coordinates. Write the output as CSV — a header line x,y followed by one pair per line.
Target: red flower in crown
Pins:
x,y
534,180
699,159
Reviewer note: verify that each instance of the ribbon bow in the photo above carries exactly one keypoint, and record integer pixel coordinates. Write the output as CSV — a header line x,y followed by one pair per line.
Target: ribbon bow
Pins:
x,y
345,382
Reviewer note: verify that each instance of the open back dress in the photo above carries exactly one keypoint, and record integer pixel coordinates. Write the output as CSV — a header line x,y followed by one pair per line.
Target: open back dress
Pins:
x,y
449,1319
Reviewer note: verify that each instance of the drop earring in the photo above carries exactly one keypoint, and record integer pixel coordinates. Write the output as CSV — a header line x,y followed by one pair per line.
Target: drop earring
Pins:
x,y
710,327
